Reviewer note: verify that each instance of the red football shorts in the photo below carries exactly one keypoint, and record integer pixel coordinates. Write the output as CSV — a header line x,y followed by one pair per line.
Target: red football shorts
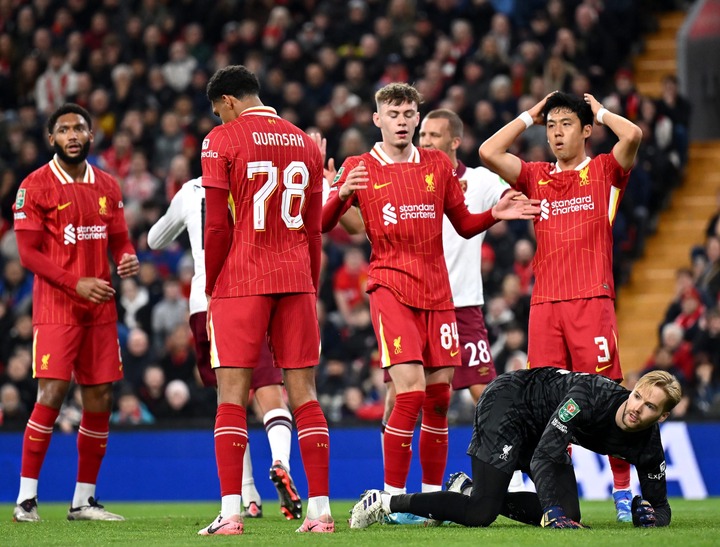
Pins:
x,y
90,353
240,326
265,374
477,362
578,335
409,335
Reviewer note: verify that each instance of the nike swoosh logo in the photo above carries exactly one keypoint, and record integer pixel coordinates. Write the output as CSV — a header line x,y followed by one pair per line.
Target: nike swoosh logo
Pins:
x,y
378,186
103,446
310,528
544,182
454,353
405,445
212,530
64,205
600,369
34,439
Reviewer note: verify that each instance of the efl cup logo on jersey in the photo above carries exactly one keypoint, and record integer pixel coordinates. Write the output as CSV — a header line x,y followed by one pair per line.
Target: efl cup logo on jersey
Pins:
x,y
72,234
559,207
389,214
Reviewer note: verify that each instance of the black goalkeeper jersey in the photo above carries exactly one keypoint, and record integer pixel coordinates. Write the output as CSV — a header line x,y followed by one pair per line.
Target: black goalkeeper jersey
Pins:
x,y
526,419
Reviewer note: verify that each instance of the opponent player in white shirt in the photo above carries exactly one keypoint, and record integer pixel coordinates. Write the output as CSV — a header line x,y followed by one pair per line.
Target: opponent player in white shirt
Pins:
x,y
187,212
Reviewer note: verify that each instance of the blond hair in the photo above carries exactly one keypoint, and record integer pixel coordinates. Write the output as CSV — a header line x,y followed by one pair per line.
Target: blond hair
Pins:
x,y
665,381
397,94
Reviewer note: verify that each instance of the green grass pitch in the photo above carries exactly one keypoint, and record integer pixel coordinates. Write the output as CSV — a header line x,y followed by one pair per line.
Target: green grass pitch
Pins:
x,y
149,524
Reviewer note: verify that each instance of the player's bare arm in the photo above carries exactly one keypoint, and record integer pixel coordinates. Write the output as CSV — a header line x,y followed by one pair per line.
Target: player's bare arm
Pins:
x,y
94,289
629,135
129,265
514,205
357,179
494,151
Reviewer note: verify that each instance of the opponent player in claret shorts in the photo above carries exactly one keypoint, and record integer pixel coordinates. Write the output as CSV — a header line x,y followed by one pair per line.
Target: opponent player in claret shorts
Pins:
x,y
572,313
263,189
68,215
402,193
187,212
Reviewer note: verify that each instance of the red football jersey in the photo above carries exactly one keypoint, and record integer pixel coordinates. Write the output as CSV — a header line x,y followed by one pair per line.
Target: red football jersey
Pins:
x,y
77,218
270,168
403,208
574,229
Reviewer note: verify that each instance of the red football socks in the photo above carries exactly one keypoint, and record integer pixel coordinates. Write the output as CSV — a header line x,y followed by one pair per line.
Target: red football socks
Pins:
x,y
37,439
314,441
92,442
397,441
434,434
230,443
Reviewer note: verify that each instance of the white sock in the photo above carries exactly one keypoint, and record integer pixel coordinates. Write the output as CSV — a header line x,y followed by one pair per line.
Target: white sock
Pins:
x,y
385,500
278,426
28,489
318,506
83,491
230,506
394,490
249,492
516,483
431,487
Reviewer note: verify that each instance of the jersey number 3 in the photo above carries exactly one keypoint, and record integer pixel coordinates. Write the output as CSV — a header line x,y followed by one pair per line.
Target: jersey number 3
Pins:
x,y
295,179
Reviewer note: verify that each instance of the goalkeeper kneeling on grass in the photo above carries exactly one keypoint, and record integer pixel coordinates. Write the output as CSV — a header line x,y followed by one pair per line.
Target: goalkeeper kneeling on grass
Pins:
x,y
526,420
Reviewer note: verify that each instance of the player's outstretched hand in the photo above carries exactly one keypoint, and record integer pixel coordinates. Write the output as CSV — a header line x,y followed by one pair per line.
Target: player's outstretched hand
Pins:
x,y
643,514
357,179
94,289
129,265
514,205
555,517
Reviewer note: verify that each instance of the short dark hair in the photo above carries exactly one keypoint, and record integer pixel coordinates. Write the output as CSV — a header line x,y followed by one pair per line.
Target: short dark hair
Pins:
x,y
572,103
454,121
68,108
234,80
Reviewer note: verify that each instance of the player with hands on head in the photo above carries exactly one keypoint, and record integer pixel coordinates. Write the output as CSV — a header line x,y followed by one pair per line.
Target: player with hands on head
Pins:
x,y
572,310
68,216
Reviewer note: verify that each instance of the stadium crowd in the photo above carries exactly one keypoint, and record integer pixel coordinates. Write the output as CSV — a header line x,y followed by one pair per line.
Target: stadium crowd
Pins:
x,y
141,67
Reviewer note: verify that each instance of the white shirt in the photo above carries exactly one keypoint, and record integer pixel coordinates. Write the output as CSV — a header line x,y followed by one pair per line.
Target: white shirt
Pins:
x,y
186,212
463,256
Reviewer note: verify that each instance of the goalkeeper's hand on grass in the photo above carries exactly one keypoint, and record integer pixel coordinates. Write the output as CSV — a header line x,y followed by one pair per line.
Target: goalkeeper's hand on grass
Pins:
x,y
554,517
643,514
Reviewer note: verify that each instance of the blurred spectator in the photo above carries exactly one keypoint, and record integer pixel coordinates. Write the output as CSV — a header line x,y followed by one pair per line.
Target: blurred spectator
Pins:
x,y
514,340
522,267
117,158
13,412
168,313
133,305
137,355
349,282
706,346
179,360
130,411
709,281
152,389
56,84
179,68
16,287
19,338
71,411
18,372
705,397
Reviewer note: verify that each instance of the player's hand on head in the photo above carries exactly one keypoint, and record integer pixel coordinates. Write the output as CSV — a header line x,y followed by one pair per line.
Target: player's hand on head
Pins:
x,y
514,205
129,266
357,179
536,111
94,289
643,514
593,102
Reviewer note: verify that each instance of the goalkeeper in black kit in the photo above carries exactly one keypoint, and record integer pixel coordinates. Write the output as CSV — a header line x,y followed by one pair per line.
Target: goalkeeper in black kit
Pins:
x,y
525,420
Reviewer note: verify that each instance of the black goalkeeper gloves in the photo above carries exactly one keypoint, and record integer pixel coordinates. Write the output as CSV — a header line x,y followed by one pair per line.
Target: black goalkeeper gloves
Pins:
x,y
554,517
643,514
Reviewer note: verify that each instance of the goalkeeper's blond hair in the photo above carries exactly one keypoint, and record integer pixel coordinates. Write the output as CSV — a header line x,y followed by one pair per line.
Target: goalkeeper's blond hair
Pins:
x,y
665,381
